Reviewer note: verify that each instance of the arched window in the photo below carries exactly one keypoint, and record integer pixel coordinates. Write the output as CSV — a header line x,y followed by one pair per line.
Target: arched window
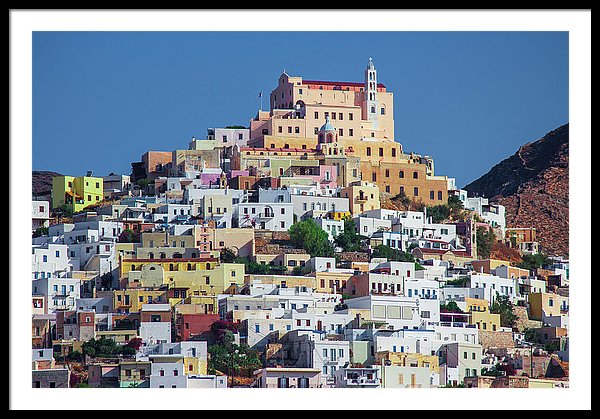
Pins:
x,y
329,138
321,138
372,109
189,267
171,267
133,267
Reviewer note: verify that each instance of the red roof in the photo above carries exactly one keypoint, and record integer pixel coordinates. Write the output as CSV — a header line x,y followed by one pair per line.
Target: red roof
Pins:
x,y
338,83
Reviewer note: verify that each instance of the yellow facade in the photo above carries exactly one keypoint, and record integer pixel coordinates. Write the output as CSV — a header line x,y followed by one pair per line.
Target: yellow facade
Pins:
x,y
404,359
362,196
169,265
77,192
207,282
339,215
480,315
289,281
119,336
544,303
327,282
131,300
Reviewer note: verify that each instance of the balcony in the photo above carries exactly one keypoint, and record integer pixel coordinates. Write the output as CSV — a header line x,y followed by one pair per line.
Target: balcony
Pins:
x,y
362,382
361,199
265,216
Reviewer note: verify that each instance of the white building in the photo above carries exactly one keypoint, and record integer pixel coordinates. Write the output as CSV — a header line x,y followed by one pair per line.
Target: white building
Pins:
x,y
60,293
493,285
266,216
40,214
493,214
332,227
50,261
399,312
155,330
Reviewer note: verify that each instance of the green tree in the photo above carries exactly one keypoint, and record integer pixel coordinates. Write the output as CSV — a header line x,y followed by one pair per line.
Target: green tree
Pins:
x,y
228,255
531,262
384,251
348,239
129,236
503,306
63,211
450,307
463,281
312,238
40,231
438,213
485,240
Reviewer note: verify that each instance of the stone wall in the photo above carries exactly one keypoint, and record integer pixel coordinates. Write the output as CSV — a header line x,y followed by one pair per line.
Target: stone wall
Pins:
x,y
489,339
523,322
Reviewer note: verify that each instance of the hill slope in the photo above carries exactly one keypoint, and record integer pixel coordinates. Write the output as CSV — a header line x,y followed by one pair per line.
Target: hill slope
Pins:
x,y
533,185
41,183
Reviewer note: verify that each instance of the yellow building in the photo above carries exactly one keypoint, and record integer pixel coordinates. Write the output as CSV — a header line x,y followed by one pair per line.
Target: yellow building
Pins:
x,y
546,304
284,281
339,215
169,265
77,192
362,196
119,336
331,282
134,373
200,287
405,359
480,314
131,300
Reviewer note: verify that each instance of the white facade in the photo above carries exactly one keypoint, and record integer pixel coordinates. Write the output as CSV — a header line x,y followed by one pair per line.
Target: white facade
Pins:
x,y
493,214
172,212
60,293
166,374
303,204
332,227
320,264
399,312
406,341
493,284
267,216
40,214
366,226
50,261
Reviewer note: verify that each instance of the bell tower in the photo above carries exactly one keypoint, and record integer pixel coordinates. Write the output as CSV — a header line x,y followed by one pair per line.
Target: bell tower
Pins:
x,y
371,95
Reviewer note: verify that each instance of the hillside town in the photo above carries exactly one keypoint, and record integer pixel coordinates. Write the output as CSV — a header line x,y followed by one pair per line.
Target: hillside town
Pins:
x,y
307,249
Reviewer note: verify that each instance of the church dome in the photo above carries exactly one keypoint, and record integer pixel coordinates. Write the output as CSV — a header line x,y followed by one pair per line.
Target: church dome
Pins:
x,y
327,126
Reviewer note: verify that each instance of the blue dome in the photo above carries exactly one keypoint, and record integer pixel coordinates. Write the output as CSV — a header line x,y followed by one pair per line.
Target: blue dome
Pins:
x,y
327,126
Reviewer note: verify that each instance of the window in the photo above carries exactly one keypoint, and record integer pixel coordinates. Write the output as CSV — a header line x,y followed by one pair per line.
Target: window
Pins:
x,y
332,115
155,318
175,373
341,353
303,381
415,175
161,373
282,224
316,115
374,177
45,258
52,384
439,195
289,130
341,131
431,195
350,132
393,152
283,382
257,328
416,191
380,151
368,151
551,302
464,355
473,355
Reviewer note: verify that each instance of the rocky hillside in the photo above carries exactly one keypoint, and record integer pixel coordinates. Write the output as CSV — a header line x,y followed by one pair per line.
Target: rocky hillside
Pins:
x,y
42,183
533,185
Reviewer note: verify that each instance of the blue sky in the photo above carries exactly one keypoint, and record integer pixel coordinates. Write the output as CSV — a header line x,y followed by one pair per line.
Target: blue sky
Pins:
x,y
468,99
